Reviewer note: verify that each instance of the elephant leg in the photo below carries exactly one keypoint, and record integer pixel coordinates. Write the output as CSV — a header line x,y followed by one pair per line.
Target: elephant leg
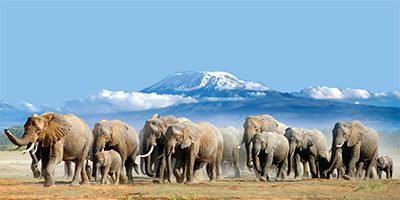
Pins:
x,y
78,172
235,155
266,169
55,157
217,166
351,167
84,173
313,167
306,169
177,170
391,172
190,169
210,172
370,166
297,167
129,169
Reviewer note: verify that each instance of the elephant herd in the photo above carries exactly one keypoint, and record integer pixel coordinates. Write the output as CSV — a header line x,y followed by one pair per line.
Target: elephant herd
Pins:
x,y
177,147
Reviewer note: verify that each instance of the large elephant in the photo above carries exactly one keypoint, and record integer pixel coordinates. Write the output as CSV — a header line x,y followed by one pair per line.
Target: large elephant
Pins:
x,y
232,139
359,145
62,137
201,142
153,141
121,137
270,148
308,145
258,124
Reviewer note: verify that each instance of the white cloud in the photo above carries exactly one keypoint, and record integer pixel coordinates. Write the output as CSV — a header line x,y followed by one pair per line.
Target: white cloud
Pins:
x,y
324,92
29,107
108,101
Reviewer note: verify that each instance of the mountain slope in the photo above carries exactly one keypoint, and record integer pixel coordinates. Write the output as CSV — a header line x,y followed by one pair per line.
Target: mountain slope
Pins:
x,y
207,84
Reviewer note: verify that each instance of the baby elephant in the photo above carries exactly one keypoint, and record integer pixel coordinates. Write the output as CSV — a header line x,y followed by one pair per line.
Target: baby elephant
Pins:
x,y
109,163
385,163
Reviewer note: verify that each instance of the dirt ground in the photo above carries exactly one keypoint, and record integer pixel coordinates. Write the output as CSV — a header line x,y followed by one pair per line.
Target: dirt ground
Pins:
x,y
17,182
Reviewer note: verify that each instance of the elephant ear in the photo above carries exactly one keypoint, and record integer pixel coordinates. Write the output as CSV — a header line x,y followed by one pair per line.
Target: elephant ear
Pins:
x,y
268,146
356,133
57,128
309,140
118,130
155,116
191,134
268,124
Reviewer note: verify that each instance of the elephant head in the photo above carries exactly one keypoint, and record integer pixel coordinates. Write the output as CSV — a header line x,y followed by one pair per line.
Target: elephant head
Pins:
x,y
299,139
179,136
153,135
47,129
350,133
380,162
253,125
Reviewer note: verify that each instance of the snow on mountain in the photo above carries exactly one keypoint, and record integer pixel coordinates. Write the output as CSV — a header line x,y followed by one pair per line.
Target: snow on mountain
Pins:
x,y
210,84
4,106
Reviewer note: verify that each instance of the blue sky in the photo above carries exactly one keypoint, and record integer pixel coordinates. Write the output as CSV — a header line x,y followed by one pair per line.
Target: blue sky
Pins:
x,y
55,51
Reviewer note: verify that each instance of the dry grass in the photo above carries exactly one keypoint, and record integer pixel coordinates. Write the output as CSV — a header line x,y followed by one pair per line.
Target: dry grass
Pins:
x,y
16,182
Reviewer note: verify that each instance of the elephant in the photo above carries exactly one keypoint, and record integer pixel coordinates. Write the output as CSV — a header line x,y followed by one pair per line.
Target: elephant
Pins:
x,y
336,162
257,124
359,145
61,137
270,148
232,138
384,163
308,145
153,142
121,137
200,143
109,163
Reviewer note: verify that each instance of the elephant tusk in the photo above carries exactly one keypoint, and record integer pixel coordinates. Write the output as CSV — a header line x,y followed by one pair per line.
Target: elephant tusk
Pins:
x,y
239,147
340,145
36,147
147,154
160,156
258,152
29,149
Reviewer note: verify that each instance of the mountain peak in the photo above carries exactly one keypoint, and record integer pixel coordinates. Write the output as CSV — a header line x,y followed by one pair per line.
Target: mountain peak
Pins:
x,y
197,82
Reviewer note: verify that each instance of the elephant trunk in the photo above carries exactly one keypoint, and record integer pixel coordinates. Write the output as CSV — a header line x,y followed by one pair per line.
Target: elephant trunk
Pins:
x,y
334,159
256,162
147,163
291,159
248,151
26,138
97,147
168,153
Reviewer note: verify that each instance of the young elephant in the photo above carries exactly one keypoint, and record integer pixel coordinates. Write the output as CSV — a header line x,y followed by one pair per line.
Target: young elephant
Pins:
x,y
109,163
270,148
385,163
335,163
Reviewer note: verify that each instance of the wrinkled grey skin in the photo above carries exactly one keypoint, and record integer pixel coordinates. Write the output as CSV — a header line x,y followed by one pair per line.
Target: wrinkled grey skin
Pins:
x,y
232,138
308,145
62,137
257,124
121,137
336,162
153,135
359,145
109,163
200,142
270,148
384,163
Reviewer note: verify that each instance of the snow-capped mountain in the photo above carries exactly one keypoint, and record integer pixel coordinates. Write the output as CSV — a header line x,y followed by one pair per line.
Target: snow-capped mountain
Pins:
x,y
207,84
4,106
